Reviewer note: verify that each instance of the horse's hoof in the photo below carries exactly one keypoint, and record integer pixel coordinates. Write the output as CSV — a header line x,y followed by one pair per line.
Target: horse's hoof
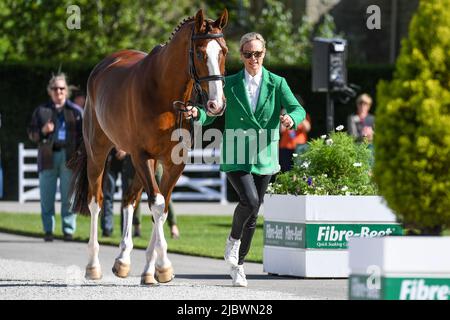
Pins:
x,y
93,273
148,279
164,275
121,269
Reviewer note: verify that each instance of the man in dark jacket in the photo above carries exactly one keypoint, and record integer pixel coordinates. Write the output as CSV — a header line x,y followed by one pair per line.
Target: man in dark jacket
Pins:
x,y
57,129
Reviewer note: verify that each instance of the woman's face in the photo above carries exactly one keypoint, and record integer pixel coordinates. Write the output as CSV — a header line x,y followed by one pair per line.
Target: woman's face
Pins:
x,y
58,91
252,55
363,107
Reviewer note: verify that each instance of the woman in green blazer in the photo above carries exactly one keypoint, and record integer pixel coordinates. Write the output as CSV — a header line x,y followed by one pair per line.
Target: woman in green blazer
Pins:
x,y
249,153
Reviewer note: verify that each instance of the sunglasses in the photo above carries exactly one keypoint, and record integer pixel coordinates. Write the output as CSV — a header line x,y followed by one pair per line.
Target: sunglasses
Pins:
x,y
58,88
249,54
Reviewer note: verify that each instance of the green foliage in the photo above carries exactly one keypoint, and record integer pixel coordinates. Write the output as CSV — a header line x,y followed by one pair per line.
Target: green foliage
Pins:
x,y
37,30
333,165
413,123
286,43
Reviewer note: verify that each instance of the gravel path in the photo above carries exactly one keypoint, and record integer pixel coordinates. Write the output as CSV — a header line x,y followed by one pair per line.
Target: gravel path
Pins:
x,y
33,269
33,280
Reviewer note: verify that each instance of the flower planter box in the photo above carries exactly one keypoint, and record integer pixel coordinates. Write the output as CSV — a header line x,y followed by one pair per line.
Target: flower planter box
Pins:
x,y
307,236
400,268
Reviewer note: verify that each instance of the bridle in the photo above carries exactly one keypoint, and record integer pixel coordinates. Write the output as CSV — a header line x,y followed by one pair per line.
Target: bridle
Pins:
x,y
199,94
193,71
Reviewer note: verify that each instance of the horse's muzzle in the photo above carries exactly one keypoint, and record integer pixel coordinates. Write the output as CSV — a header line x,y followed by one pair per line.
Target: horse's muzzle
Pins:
x,y
214,110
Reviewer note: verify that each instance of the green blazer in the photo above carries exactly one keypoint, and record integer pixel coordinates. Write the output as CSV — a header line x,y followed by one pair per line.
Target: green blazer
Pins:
x,y
250,140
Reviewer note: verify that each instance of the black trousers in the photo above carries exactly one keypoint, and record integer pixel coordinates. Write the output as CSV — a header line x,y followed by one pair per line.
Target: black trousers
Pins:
x,y
251,189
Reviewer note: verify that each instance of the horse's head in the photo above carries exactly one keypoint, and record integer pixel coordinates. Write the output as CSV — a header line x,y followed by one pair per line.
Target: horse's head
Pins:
x,y
208,53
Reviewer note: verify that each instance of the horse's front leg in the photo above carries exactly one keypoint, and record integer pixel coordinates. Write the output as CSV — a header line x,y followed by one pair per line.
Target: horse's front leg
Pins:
x,y
164,270
145,169
130,200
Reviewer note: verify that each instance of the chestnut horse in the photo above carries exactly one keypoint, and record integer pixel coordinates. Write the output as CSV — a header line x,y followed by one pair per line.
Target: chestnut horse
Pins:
x,y
130,105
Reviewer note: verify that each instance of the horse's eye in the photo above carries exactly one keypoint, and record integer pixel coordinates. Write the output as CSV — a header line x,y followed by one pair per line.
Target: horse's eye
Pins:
x,y
199,55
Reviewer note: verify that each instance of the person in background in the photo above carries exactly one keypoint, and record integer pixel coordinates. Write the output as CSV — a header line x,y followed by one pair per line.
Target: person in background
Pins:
x,y
78,97
362,124
120,162
56,127
171,217
293,141
117,162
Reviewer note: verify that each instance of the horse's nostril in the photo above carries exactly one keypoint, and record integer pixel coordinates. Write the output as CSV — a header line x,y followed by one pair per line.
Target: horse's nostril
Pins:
x,y
212,105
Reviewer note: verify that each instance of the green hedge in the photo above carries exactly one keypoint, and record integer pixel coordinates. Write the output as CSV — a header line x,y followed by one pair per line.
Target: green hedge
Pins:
x,y
413,140
23,87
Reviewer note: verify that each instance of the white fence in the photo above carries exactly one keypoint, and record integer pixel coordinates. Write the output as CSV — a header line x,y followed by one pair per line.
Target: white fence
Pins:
x,y
200,188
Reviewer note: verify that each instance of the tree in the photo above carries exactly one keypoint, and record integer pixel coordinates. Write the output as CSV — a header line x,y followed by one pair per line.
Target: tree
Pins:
x,y
37,30
412,141
286,43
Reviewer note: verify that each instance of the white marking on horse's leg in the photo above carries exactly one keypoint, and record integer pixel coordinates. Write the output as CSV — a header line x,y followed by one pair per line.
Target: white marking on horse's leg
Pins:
x,y
93,246
215,87
126,245
160,217
151,255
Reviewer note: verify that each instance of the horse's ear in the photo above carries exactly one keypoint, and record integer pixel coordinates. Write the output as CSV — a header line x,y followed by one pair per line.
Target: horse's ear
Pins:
x,y
199,20
221,22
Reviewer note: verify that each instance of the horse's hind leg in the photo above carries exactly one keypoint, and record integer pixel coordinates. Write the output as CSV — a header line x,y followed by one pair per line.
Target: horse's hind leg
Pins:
x,y
93,269
130,200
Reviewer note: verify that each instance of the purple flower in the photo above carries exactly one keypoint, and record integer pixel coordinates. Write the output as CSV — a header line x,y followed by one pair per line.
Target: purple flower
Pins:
x,y
309,181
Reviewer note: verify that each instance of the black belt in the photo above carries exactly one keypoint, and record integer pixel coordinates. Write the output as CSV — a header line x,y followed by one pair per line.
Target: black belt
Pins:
x,y
58,146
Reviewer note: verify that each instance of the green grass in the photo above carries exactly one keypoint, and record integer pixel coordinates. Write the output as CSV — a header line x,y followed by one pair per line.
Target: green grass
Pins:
x,y
199,235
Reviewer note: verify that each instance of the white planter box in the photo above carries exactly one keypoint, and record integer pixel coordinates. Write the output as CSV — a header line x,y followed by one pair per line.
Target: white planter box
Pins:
x,y
400,268
307,236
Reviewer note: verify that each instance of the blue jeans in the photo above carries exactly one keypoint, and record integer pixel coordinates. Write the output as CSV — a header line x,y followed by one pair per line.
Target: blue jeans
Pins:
x,y
47,187
109,188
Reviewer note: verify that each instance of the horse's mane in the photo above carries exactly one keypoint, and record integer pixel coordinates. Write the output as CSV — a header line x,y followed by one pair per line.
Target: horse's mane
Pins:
x,y
179,26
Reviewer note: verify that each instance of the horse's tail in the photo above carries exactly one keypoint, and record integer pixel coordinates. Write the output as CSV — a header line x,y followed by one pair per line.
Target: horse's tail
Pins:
x,y
79,186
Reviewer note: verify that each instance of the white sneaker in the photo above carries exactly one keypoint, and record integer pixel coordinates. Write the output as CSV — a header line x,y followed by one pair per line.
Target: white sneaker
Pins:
x,y
231,255
238,276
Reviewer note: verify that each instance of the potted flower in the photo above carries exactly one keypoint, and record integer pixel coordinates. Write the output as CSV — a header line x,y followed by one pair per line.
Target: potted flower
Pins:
x,y
411,170
311,211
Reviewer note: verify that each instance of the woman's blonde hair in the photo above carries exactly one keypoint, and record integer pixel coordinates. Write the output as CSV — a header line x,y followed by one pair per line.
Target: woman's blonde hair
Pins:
x,y
249,37
364,97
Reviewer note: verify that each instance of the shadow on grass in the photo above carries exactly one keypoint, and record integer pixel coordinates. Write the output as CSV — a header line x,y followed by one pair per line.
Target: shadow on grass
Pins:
x,y
228,225
108,242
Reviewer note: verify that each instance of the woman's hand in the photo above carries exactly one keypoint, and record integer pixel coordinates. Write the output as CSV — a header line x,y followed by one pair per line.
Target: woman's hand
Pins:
x,y
120,154
191,113
286,121
48,127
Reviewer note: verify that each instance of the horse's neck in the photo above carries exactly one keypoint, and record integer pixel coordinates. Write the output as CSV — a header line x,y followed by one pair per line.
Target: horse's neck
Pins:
x,y
168,67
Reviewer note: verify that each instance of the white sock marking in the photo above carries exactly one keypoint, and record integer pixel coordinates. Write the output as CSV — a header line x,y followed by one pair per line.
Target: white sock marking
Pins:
x,y
126,245
93,246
